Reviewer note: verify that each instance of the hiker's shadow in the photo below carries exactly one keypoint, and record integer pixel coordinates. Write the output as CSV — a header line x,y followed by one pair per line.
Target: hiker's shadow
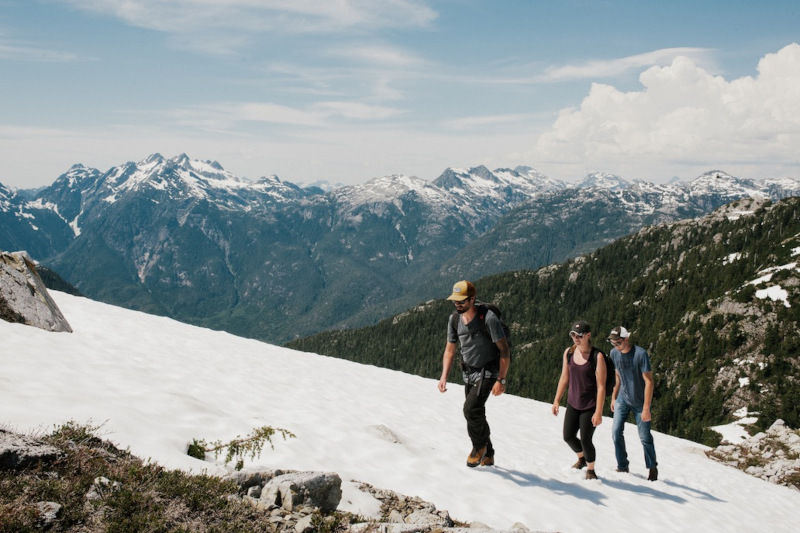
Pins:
x,y
580,491
699,493
643,489
526,479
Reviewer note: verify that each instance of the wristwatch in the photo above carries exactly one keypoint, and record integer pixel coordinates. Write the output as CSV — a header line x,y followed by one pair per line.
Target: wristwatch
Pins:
x,y
502,381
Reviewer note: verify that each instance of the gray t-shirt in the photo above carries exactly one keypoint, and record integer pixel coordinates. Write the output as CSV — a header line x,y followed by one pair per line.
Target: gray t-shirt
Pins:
x,y
476,348
630,366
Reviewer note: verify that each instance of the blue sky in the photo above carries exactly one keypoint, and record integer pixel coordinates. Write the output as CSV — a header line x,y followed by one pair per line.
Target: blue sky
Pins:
x,y
349,90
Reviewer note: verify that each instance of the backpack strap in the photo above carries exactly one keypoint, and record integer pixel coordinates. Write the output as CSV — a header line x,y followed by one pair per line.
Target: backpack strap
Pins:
x,y
593,358
482,310
453,321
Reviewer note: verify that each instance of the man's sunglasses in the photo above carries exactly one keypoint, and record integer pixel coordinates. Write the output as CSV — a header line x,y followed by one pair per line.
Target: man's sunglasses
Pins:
x,y
462,302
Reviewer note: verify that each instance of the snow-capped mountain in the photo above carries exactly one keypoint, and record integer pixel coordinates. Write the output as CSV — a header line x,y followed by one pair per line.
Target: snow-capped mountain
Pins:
x,y
269,259
603,180
33,226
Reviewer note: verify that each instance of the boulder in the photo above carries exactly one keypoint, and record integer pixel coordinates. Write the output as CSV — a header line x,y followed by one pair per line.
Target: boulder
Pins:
x,y
321,490
18,451
23,296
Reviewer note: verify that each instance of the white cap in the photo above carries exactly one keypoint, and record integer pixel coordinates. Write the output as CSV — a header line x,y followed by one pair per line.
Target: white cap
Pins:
x,y
619,332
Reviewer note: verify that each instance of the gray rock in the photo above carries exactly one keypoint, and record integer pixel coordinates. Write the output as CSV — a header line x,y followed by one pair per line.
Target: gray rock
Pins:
x,y
322,490
23,296
304,525
18,451
48,512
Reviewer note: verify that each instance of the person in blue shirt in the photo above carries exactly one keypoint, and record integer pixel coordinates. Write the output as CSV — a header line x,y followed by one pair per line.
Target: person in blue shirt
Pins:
x,y
633,393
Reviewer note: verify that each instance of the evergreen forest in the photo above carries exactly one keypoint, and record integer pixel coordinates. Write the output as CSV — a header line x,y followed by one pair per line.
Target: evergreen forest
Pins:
x,y
688,291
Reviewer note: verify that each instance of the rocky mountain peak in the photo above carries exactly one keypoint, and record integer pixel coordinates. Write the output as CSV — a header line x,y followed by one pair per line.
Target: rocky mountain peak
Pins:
x,y
603,180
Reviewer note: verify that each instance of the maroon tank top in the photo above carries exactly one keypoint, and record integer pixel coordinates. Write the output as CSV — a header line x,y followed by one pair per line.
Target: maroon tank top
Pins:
x,y
582,393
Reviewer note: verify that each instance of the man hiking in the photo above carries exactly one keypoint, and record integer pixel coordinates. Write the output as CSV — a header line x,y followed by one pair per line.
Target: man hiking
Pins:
x,y
633,394
485,358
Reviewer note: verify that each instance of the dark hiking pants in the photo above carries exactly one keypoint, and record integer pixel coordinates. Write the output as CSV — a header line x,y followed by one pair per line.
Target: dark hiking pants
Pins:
x,y
475,413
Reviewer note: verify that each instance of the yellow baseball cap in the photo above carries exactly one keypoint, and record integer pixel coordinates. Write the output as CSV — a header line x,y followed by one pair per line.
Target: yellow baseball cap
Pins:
x,y
462,290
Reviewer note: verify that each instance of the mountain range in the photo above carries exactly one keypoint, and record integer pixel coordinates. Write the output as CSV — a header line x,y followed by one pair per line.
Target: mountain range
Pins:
x,y
274,261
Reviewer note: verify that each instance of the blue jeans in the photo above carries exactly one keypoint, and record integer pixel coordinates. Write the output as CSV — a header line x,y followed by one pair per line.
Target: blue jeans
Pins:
x,y
621,412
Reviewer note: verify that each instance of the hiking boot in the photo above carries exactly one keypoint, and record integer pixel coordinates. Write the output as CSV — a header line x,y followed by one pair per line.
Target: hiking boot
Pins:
x,y
623,469
590,474
580,464
653,475
488,460
475,456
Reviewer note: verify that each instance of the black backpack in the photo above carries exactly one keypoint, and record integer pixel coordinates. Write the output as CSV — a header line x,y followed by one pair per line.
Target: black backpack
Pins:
x,y
611,371
483,307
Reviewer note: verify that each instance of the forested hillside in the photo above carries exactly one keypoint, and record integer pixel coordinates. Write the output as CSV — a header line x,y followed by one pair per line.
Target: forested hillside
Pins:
x,y
697,294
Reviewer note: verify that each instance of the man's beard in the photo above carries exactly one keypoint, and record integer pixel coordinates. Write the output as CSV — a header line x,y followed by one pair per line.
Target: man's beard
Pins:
x,y
461,310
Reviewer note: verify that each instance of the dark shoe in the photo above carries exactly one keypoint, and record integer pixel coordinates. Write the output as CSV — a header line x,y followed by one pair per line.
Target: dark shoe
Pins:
x,y
590,474
653,475
476,456
488,460
623,469
580,464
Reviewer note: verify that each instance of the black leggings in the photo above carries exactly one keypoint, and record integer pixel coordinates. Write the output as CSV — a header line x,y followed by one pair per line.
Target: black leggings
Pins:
x,y
575,421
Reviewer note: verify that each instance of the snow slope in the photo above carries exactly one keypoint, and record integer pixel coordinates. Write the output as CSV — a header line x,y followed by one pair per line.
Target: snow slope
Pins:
x,y
155,384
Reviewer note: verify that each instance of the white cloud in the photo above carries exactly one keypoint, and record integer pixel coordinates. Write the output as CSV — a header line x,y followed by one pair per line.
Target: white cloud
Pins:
x,y
381,55
485,121
615,67
684,115
224,25
357,111
221,117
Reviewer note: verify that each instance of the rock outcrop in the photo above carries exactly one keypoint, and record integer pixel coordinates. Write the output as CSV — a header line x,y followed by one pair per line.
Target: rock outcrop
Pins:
x,y
773,455
23,296
19,451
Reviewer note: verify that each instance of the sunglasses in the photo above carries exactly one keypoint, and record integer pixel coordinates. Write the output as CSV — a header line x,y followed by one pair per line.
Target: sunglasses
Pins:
x,y
617,342
462,302
575,335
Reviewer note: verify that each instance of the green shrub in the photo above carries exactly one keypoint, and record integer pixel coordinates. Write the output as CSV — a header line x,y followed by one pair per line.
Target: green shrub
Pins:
x,y
239,447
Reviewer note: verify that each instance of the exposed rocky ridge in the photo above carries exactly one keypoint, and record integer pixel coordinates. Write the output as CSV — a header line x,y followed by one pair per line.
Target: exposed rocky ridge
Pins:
x,y
773,455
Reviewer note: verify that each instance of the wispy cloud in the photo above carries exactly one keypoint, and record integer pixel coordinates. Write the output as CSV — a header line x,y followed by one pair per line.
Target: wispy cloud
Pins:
x,y
219,117
16,52
467,123
357,111
607,68
380,55
226,25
